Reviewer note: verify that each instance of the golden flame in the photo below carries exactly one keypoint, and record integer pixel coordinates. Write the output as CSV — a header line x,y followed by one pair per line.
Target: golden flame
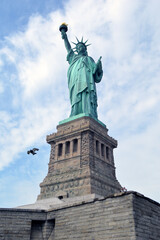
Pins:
x,y
64,24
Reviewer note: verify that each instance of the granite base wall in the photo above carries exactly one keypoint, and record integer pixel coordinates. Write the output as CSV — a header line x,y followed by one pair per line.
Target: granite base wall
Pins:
x,y
15,224
107,219
147,218
129,216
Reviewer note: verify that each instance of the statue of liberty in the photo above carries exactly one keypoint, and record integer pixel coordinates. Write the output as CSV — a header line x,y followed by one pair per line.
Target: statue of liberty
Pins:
x,y
82,75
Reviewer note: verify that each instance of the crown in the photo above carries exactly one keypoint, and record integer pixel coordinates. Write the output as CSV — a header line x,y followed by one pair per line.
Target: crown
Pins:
x,y
81,42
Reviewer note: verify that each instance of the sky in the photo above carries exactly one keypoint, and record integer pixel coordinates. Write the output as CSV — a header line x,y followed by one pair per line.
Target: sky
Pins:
x,y
34,94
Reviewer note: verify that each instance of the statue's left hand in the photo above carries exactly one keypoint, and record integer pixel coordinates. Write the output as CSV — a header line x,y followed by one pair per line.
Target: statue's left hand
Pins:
x,y
99,66
98,72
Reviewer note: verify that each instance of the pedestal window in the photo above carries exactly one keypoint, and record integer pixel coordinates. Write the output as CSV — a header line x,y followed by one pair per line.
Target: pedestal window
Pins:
x,y
60,149
75,145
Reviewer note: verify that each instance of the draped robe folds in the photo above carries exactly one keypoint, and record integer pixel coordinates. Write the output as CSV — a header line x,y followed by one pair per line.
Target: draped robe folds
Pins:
x,y
81,84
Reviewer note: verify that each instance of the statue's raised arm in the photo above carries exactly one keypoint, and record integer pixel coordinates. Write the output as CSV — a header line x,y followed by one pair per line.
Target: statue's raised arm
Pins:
x,y
63,29
83,73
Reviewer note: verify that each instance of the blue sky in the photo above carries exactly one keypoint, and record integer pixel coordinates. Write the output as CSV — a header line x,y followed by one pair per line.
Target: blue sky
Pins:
x,y
15,14
34,95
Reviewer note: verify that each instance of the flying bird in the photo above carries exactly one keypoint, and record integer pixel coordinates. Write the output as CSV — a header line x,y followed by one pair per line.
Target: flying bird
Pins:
x,y
33,151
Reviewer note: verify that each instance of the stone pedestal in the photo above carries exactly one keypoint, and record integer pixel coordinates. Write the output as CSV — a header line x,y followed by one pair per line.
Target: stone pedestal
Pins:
x,y
81,161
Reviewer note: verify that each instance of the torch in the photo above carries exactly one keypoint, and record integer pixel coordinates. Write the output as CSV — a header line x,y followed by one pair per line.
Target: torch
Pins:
x,y
63,28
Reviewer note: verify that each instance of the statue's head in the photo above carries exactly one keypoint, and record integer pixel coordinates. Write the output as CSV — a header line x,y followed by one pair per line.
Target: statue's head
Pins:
x,y
81,47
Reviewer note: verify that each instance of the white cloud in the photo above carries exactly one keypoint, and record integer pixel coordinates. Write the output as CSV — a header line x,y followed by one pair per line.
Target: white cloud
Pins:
x,y
138,168
36,56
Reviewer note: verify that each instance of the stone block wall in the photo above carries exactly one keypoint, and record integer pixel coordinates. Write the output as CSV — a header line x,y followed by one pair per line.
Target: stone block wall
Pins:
x,y
147,218
107,219
15,224
127,216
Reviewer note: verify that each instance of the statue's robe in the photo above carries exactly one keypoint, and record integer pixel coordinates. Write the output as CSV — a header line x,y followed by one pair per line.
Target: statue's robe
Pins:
x,y
81,84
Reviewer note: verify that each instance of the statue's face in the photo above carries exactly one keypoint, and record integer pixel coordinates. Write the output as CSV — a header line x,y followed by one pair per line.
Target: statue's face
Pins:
x,y
81,48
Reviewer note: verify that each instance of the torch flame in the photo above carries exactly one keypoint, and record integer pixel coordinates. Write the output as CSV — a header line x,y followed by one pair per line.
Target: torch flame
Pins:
x,y
64,24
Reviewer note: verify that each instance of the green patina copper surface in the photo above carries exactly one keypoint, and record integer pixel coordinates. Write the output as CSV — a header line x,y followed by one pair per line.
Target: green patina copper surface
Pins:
x,y
79,116
82,74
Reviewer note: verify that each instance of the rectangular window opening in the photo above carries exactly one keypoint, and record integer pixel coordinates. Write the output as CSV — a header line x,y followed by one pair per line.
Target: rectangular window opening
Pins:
x,y
75,145
60,148
107,152
67,147
97,147
102,150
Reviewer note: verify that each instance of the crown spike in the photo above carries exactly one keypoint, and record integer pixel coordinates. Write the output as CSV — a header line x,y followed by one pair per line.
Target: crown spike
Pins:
x,y
77,40
86,41
74,43
82,39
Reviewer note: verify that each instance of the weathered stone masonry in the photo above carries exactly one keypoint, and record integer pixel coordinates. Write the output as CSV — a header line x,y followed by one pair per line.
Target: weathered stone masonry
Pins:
x,y
127,216
81,161
15,224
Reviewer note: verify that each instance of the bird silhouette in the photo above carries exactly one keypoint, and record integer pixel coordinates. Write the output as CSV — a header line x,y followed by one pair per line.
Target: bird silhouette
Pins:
x,y
33,151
